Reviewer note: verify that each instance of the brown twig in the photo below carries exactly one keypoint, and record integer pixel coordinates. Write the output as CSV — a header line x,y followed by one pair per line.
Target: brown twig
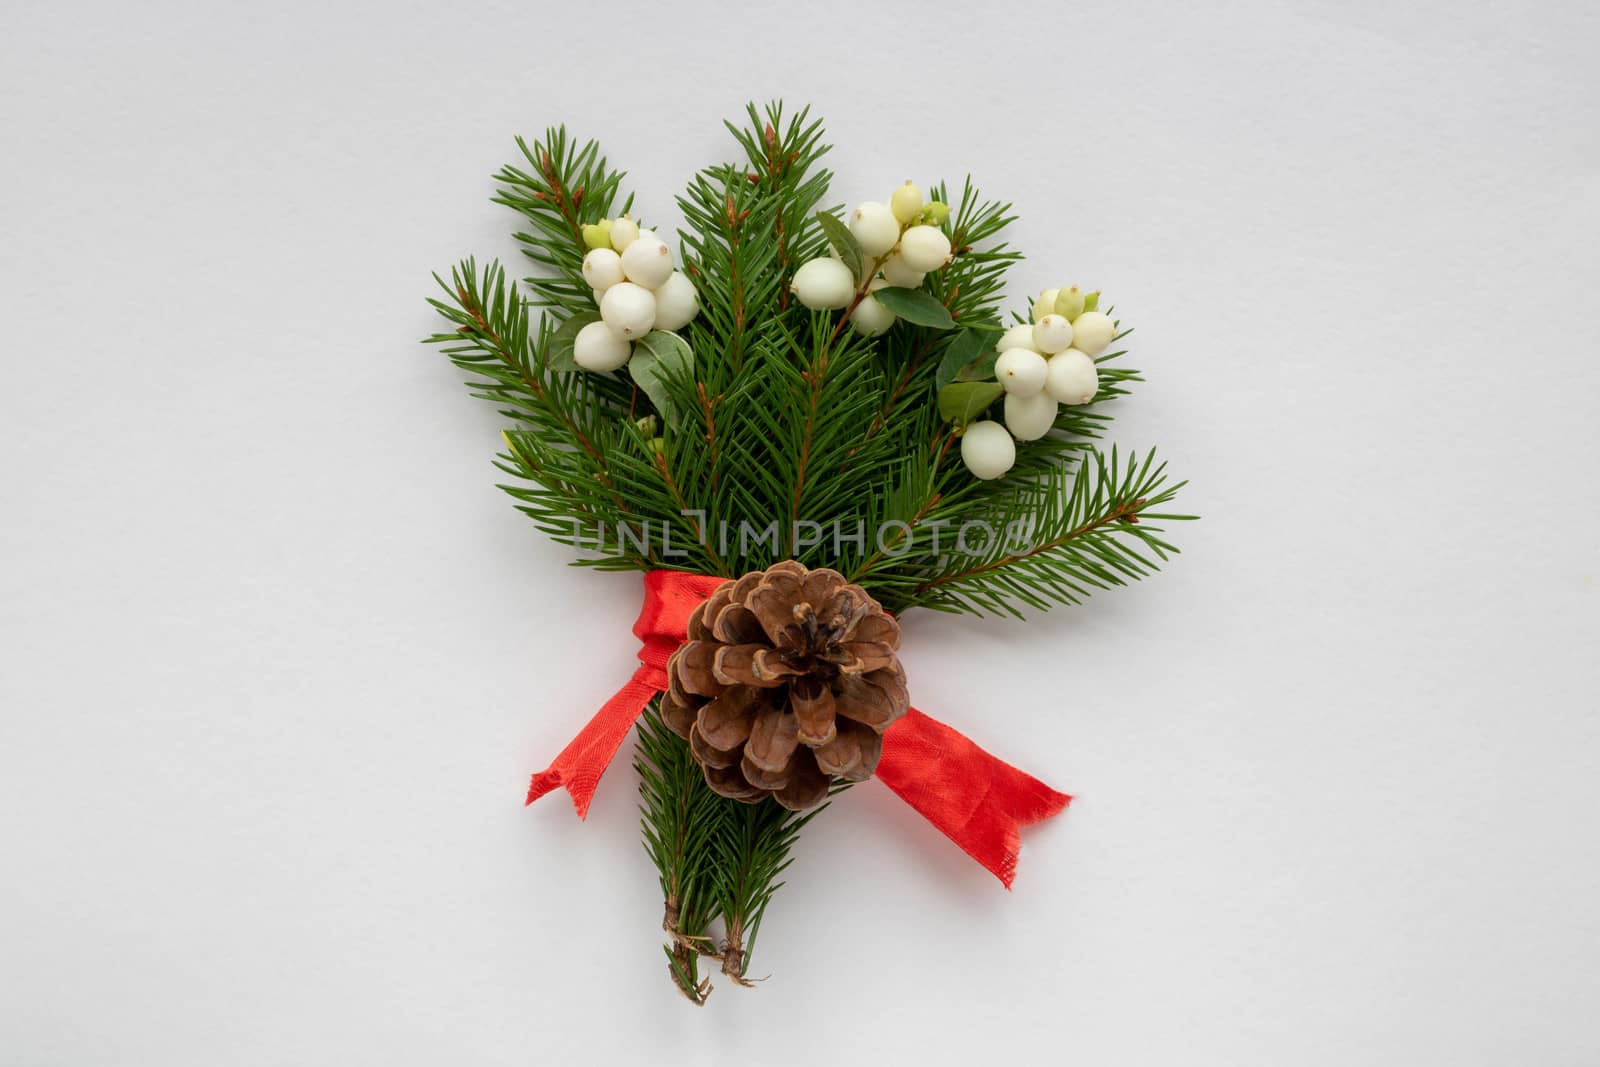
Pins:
x,y
814,379
567,207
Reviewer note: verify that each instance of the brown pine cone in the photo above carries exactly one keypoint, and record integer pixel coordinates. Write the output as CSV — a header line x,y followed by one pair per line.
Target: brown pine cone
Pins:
x,y
788,679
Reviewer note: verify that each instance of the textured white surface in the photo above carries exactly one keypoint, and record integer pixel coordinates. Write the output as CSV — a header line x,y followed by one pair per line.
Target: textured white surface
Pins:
x,y
278,657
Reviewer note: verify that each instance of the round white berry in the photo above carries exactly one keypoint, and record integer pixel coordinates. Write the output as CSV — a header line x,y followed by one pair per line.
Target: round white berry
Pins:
x,y
597,295
602,268
906,202
895,272
1021,371
629,309
597,348
676,302
1030,417
987,450
1071,377
1045,305
1069,302
823,284
1052,334
624,232
870,316
1092,331
647,261
875,228
924,248
1019,336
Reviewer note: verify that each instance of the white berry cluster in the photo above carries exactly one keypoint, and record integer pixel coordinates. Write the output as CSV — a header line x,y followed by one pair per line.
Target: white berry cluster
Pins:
x,y
1041,365
900,242
637,291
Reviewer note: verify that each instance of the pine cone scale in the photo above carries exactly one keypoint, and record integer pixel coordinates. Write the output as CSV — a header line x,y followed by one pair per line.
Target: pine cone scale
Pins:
x,y
842,755
755,665
738,625
773,738
814,710
806,789
868,704
696,675
725,722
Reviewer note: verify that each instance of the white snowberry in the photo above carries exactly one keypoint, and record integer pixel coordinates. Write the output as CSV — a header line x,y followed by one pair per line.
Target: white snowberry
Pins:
x,y
1021,371
987,450
676,302
895,272
602,268
870,316
924,248
1092,331
1030,417
597,293
1019,336
875,228
629,309
823,284
647,261
597,348
1069,303
1071,377
1045,305
1052,334
906,202
624,232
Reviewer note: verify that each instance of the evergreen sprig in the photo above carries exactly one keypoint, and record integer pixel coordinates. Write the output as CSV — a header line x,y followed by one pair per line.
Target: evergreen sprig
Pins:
x,y
784,418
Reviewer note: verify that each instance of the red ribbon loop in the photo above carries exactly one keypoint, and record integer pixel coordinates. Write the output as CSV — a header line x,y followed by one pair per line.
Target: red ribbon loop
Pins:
x,y
976,799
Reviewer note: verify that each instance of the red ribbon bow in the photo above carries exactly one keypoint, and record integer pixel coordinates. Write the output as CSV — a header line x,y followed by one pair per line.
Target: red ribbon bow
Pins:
x,y
978,801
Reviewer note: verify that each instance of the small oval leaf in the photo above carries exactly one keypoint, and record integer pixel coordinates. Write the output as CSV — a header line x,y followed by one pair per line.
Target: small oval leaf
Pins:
x,y
659,357
983,369
967,346
964,401
916,307
843,241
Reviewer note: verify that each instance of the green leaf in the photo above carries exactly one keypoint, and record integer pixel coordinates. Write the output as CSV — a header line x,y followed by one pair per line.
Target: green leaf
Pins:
x,y
559,355
983,369
658,356
968,345
916,307
1092,301
843,241
964,401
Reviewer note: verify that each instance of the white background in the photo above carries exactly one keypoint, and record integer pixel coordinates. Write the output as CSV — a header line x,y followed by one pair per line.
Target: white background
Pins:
x,y
278,656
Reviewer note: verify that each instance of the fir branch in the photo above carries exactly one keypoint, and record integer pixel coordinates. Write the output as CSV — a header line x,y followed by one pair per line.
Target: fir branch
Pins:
x,y
972,285
781,165
562,186
755,844
729,251
682,821
1084,531
567,425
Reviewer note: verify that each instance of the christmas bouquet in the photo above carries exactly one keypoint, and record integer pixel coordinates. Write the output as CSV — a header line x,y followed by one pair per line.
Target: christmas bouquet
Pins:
x,y
799,424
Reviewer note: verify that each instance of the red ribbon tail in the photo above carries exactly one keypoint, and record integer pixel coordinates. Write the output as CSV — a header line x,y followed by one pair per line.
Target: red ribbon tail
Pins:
x,y
579,766
976,799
